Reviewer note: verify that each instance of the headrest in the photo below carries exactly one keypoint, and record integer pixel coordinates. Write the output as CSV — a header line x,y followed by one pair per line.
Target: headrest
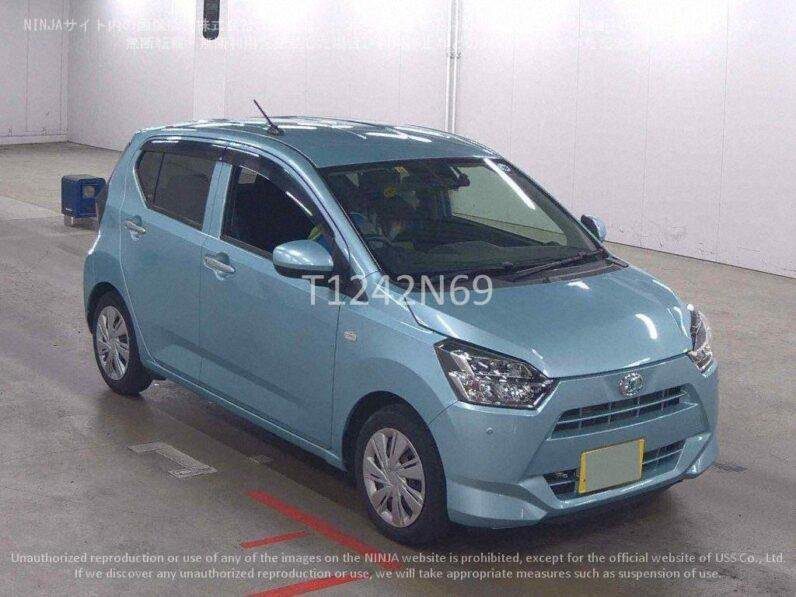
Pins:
x,y
375,181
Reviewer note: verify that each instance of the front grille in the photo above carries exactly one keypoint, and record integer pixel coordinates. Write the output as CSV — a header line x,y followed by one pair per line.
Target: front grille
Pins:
x,y
610,415
660,460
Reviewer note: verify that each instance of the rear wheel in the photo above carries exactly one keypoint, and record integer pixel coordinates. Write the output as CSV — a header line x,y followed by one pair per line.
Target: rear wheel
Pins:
x,y
115,348
400,476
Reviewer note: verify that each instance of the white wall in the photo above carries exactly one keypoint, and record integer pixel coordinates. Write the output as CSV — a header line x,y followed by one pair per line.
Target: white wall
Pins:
x,y
33,70
132,68
374,60
756,227
674,121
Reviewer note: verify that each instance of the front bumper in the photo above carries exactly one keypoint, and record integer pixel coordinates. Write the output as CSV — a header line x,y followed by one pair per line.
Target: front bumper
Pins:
x,y
500,464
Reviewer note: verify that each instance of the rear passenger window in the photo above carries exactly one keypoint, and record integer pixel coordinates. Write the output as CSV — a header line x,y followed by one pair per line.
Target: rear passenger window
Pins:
x,y
183,186
262,214
176,184
148,169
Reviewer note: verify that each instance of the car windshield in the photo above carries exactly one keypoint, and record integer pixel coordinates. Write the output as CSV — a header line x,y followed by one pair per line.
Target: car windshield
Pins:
x,y
447,216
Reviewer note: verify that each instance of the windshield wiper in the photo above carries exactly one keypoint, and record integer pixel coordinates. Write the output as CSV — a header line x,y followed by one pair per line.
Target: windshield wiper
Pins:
x,y
504,268
529,271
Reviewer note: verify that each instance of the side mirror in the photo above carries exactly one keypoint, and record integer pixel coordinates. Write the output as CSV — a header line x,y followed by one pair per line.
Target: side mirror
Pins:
x,y
299,258
595,225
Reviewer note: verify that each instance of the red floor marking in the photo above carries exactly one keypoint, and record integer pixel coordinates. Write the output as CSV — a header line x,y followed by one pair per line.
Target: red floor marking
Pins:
x,y
324,528
274,539
310,585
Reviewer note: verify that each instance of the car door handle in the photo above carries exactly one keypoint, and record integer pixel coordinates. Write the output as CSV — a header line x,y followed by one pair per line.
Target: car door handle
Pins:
x,y
134,227
219,267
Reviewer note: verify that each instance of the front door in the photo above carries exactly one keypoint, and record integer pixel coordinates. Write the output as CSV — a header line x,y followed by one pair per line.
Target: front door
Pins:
x,y
162,218
266,346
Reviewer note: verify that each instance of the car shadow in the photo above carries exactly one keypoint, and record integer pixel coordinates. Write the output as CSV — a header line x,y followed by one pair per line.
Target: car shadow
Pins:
x,y
312,472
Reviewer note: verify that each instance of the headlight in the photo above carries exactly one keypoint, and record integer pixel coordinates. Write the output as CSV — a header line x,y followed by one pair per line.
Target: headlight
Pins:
x,y
482,377
701,352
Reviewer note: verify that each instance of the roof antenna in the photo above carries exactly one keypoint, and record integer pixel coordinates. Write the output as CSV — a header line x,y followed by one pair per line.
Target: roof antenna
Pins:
x,y
272,128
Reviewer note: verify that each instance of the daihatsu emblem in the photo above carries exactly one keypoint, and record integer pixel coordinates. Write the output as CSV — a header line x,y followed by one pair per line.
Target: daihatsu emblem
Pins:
x,y
631,384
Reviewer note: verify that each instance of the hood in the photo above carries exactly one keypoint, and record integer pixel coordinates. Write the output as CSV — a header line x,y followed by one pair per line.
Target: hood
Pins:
x,y
593,324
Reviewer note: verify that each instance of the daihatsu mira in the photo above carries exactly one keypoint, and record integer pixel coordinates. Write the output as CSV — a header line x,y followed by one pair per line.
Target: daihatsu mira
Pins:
x,y
407,305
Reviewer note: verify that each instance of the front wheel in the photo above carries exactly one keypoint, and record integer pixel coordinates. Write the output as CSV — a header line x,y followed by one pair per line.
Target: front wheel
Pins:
x,y
115,348
400,476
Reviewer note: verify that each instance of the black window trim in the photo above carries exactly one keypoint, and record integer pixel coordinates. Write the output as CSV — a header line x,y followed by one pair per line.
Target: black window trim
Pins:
x,y
254,161
208,149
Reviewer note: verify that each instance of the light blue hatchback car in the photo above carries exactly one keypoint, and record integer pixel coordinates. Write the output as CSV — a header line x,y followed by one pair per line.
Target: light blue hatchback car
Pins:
x,y
407,305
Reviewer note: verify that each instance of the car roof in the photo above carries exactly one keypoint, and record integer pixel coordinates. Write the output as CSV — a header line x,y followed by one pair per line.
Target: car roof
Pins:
x,y
332,142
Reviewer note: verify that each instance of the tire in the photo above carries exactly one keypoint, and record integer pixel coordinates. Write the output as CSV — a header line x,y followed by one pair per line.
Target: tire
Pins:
x,y
125,376
391,427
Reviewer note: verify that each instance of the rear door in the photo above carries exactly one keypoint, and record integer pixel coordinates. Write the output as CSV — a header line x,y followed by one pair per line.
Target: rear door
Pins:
x,y
266,346
163,217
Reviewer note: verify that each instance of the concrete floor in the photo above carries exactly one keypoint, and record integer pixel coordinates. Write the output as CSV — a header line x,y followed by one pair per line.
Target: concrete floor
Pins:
x,y
69,483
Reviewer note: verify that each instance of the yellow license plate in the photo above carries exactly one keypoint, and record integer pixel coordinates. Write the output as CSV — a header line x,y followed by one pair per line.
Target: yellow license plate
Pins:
x,y
610,466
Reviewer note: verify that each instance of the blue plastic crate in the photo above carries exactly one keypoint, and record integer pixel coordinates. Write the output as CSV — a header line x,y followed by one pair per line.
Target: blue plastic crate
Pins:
x,y
78,194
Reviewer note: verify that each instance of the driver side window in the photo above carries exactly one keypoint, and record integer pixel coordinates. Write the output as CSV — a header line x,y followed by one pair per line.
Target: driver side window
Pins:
x,y
262,213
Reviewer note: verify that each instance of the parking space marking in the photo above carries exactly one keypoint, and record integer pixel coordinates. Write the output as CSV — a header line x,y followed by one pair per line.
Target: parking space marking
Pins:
x,y
371,554
274,539
190,467
309,586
